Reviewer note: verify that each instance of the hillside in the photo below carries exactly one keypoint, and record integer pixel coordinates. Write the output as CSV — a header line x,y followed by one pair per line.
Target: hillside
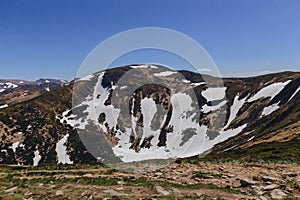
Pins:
x,y
244,118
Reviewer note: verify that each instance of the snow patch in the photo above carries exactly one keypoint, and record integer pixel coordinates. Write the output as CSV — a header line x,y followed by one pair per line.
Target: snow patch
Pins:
x,y
186,81
3,106
269,91
143,66
61,151
86,78
223,135
251,138
95,106
36,158
213,94
207,109
198,84
268,110
148,108
236,106
14,146
181,122
294,94
7,85
166,73
11,85
230,148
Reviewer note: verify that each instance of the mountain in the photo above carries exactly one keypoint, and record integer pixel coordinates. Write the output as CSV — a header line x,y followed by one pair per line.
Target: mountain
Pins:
x,y
149,111
13,91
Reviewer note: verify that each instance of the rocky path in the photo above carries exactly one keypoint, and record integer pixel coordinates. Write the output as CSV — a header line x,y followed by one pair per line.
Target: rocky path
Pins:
x,y
173,181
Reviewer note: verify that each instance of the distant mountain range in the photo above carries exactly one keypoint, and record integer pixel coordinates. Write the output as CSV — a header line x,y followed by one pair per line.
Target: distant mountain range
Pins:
x,y
14,91
261,117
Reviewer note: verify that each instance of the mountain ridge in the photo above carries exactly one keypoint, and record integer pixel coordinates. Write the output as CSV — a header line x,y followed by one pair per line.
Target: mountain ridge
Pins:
x,y
44,114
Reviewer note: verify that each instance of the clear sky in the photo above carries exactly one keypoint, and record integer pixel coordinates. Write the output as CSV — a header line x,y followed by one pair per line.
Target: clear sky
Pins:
x,y
50,38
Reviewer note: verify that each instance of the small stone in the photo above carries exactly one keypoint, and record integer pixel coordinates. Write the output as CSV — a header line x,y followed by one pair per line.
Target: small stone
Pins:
x,y
245,183
83,193
171,178
176,191
268,178
13,189
198,194
59,193
291,174
230,175
198,179
289,189
131,177
114,193
161,190
158,174
271,187
257,190
88,175
277,194
262,198
221,168
120,182
28,193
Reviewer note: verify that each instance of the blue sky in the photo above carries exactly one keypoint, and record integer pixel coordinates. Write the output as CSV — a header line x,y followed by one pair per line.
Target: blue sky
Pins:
x,y
40,38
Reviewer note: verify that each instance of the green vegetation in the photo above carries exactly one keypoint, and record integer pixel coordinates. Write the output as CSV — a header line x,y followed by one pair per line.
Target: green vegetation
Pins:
x,y
272,152
63,167
206,175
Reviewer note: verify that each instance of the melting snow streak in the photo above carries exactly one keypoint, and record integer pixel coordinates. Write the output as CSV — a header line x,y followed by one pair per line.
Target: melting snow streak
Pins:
x,y
36,158
295,93
268,110
269,91
236,106
61,151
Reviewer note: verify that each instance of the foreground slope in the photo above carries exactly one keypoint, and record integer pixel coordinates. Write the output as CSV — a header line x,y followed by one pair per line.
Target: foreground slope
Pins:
x,y
174,181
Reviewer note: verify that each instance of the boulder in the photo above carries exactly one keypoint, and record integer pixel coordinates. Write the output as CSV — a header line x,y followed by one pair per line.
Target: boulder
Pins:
x,y
277,194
